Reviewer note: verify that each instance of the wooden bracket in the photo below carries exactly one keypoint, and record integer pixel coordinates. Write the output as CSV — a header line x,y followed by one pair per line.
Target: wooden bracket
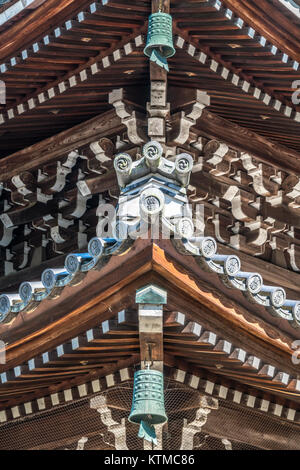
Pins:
x,y
132,119
188,106
189,430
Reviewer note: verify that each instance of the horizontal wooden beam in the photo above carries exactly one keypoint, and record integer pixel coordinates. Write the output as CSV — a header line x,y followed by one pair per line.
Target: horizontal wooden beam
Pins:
x,y
109,124
48,150
244,140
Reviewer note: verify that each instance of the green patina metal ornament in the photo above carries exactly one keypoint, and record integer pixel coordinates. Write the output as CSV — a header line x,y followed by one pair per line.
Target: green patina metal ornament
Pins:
x,y
151,294
148,405
159,45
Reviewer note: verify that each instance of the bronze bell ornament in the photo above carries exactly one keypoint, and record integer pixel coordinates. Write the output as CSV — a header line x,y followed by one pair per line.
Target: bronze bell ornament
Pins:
x,y
148,405
159,45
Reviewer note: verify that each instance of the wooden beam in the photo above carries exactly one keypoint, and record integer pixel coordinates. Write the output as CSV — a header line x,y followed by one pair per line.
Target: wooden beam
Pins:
x,y
240,138
109,124
48,150
76,380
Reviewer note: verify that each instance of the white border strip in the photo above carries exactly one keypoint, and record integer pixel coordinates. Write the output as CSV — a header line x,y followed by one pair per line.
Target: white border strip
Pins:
x,y
66,84
244,85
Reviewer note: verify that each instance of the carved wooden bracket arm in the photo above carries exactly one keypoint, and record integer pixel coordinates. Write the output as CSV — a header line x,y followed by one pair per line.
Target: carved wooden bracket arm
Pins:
x,y
133,120
207,404
182,121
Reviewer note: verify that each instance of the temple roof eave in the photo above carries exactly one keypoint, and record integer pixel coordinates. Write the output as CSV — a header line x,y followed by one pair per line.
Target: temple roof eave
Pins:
x,y
201,330
53,321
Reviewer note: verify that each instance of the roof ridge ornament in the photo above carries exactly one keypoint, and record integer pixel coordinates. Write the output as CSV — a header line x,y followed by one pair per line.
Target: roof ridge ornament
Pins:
x,y
151,162
160,45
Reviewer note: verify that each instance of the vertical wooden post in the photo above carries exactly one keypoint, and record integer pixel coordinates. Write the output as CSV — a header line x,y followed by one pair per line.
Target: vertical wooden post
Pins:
x,y
158,108
150,300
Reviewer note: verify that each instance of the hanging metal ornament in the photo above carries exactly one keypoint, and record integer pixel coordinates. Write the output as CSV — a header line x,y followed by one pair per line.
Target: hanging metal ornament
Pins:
x,y
148,405
160,45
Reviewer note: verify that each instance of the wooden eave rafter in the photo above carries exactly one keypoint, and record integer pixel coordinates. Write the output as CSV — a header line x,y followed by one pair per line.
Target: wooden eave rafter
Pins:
x,y
270,22
271,127
37,21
